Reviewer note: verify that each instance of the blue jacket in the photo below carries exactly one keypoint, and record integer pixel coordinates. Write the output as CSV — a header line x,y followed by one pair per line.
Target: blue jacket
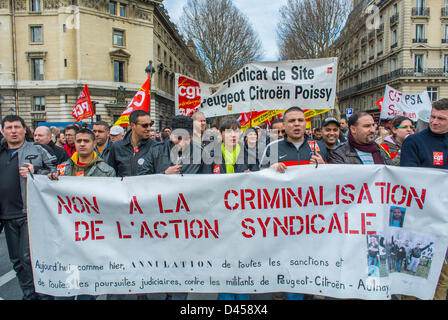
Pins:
x,y
425,149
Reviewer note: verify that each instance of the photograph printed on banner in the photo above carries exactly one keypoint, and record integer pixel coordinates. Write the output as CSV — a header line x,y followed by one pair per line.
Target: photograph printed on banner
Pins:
x,y
376,256
409,253
396,218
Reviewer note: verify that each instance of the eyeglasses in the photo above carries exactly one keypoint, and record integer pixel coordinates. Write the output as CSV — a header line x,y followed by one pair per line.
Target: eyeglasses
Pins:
x,y
406,127
146,125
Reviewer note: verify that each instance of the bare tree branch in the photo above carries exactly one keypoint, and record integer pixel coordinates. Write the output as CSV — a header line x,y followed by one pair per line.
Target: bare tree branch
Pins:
x,y
223,36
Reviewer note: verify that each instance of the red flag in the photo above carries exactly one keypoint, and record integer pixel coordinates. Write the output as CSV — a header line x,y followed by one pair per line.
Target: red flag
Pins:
x,y
380,102
141,101
83,108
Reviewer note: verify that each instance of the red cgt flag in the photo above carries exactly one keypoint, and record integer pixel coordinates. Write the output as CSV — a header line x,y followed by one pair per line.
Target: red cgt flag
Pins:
x,y
83,108
141,101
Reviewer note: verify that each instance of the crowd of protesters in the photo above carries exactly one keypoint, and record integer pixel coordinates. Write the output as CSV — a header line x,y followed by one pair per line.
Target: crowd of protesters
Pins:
x,y
140,150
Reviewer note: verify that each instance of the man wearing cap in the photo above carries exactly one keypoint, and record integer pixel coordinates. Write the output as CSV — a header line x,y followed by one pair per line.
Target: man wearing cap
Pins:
x,y
178,154
116,133
330,133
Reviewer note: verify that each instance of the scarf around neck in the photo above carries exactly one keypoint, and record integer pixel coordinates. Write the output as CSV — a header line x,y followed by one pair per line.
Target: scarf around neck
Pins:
x,y
372,148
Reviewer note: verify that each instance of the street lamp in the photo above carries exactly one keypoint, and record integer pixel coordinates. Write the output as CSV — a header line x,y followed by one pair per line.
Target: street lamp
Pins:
x,y
149,68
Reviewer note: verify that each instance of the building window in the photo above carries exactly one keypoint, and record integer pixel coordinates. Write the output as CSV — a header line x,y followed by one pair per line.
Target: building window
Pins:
x,y
36,34
419,33
380,47
433,93
35,5
393,64
394,38
445,63
118,38
418,63
445,33
380,70
122,10
39,104
113,8
118,71
37,65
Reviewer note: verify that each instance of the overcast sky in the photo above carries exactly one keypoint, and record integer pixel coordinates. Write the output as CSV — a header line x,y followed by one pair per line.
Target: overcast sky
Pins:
x,y
262,14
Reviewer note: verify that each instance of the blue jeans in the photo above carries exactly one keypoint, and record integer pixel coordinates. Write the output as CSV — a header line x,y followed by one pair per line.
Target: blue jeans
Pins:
x,y
232,296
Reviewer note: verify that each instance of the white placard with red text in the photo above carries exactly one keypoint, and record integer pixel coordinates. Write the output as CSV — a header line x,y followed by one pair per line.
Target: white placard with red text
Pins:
x,y
396,103
326,231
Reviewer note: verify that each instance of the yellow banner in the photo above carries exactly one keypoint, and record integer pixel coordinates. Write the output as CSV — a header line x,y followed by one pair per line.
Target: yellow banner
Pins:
x,y
261,118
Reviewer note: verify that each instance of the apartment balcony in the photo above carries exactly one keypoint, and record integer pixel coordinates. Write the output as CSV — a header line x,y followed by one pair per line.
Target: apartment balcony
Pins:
x,y
387,78
420,12
420,40
394,19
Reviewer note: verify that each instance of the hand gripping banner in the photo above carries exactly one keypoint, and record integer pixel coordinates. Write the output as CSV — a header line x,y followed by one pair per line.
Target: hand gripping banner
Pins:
x,y
343,231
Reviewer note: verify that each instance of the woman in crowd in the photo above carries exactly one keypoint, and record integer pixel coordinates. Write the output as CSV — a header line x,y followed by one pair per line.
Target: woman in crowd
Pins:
x,y
401,127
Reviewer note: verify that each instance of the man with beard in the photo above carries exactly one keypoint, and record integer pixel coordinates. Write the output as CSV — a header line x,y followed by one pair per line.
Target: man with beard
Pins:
x,y
361,147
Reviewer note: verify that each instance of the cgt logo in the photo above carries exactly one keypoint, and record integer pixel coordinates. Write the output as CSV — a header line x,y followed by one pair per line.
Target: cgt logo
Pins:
x,y
438,158
190,92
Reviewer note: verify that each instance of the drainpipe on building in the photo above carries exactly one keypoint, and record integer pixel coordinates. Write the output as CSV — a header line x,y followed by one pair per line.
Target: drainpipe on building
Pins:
x,y
14,52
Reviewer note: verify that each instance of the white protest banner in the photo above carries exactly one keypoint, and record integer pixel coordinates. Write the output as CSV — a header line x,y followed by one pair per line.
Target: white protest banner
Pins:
x,y
311,230
396,103
260,86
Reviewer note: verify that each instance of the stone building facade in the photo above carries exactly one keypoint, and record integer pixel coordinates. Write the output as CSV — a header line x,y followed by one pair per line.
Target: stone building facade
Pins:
x,y
51,48
402,43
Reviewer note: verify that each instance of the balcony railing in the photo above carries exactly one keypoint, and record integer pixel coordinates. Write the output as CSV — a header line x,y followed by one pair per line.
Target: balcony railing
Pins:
x,y
394,19
420,12
404,72
394,45
420,40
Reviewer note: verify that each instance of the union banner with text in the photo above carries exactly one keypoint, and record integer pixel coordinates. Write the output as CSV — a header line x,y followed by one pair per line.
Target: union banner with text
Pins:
x,y
342,231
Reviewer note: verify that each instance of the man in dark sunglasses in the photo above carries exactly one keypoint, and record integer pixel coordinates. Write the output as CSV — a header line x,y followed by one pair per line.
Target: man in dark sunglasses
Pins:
x,y
127,155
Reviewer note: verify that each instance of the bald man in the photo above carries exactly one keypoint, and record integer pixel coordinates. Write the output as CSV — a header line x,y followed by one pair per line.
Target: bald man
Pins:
x,y
42,135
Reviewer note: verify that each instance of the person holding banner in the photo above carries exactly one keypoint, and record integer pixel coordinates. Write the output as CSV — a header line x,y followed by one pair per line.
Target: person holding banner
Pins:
x,y
429,148
176,155
84,162
230,157
18,158
361,147
127,155
401,128
296,148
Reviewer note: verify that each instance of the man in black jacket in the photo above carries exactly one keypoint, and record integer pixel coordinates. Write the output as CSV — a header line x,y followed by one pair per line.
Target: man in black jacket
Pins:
x,y
127,155
177,155
42,135
361,147
18,158
295,148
